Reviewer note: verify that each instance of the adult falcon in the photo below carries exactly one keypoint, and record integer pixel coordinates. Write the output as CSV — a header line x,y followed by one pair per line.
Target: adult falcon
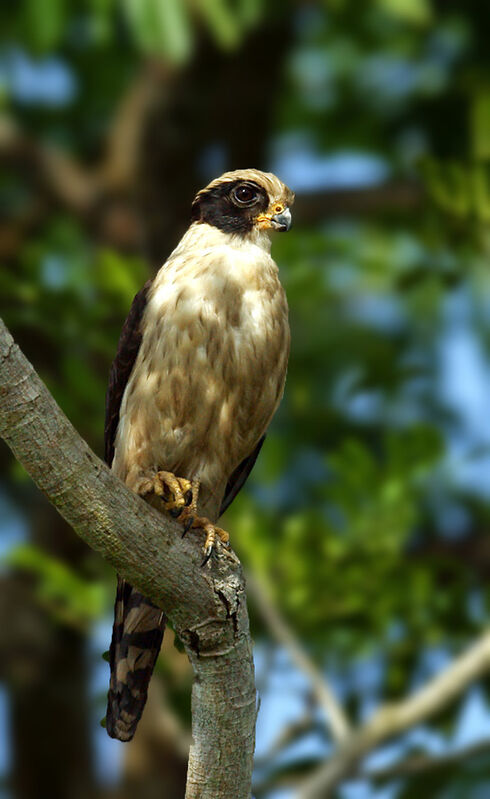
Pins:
x,y
198,375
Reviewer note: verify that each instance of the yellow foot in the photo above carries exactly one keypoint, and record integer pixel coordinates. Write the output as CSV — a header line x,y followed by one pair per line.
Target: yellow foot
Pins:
x,y
213,533
175,492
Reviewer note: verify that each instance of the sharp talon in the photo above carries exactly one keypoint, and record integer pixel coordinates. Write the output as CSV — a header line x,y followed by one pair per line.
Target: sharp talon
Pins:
x,y
207,554
175,512
188,498
187,526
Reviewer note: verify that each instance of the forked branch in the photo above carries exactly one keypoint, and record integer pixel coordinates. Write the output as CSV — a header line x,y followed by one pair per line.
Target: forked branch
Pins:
x,y
207,606
391,720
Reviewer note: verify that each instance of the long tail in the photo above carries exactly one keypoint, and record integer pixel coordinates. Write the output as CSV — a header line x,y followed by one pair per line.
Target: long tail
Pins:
x,y
136,640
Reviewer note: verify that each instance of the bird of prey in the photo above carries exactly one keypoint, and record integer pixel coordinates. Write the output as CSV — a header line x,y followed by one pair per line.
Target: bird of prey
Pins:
x,y
198,375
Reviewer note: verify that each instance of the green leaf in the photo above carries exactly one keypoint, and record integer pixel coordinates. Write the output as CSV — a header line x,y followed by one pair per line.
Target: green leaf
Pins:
x,y
72,599
161,27
250,11
417,12
480,119
44,23
224,25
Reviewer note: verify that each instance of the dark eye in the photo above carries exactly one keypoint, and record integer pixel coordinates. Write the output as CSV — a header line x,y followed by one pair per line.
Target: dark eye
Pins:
x,y
245,195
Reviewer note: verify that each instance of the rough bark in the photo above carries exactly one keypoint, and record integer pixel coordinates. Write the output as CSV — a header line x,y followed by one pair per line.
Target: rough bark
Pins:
x,y
207,606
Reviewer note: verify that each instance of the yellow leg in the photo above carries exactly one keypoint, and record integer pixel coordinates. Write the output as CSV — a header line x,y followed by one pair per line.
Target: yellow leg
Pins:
x,y
180,497
172,490
189,518
212,532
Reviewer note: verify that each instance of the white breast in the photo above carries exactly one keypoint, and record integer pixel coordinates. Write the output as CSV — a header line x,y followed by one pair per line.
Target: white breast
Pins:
x,y
211,367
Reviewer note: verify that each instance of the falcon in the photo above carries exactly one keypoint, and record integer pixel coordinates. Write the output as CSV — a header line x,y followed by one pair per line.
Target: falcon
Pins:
x,y
198,375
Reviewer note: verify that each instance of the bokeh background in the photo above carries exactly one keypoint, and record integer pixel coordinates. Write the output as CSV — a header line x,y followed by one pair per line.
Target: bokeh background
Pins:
x,y
365,524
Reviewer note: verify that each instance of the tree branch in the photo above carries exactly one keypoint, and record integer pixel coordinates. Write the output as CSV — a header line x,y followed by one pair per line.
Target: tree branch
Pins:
x,y
74,184
400,196
394,719
207,606
80,188
322,692
288,735
415,765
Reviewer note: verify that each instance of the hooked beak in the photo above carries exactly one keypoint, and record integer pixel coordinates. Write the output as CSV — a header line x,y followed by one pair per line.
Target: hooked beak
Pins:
x,y
281,221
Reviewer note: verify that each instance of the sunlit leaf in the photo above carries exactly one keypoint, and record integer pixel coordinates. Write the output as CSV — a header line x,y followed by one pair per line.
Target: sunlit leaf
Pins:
x,y
72,599
223,22
161,27
414,11
480,112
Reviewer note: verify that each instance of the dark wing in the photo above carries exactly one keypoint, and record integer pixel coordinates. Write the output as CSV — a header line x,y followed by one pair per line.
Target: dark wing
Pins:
x,y
122,366
239,476
138,624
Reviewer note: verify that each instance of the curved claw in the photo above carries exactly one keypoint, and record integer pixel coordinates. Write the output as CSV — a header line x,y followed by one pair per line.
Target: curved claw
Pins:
x,y
208,551
188,524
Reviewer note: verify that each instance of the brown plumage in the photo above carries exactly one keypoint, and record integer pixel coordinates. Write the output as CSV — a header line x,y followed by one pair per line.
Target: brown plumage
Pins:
x,y
198,375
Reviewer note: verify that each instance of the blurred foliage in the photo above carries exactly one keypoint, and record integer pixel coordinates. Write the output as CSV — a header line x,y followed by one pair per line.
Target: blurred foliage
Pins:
x,y
166,29
452,780
74,298
368,510
66,595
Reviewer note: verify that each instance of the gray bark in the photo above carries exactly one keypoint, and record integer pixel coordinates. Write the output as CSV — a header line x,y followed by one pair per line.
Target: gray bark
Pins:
x,y
207,606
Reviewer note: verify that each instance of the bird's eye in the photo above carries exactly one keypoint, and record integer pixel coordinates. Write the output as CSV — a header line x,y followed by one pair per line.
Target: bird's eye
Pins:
x,y
245,195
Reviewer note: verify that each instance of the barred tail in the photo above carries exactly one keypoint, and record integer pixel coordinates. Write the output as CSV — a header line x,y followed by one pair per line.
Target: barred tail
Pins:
x,y
136,640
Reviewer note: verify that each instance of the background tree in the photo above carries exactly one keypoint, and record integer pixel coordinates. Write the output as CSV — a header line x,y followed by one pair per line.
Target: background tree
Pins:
x,y
366,522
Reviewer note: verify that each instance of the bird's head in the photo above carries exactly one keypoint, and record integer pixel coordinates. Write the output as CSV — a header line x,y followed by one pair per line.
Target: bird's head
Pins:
x,y
244,201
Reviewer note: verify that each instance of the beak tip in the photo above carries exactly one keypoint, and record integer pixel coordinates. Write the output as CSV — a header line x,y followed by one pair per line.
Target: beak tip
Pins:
x,y
282,222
